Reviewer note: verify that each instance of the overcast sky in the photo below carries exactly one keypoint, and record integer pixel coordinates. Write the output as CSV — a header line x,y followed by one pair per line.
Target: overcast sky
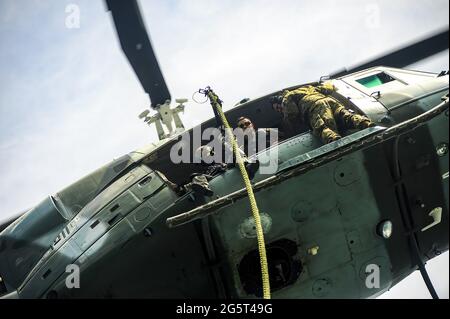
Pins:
x,y
69,100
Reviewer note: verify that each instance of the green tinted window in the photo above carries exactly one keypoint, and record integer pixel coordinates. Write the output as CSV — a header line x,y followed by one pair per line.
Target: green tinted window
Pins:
x,y
375,80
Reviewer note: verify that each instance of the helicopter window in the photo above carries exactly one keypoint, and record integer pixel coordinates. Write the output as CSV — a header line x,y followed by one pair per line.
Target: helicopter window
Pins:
x,y
376,80
73,198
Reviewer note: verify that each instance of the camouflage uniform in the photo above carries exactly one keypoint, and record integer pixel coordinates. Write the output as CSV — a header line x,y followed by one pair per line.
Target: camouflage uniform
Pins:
x,y
199,181
199,184
205,172
312,105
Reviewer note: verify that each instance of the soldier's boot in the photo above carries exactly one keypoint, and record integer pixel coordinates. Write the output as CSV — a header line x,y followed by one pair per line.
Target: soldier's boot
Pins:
x,y
360,122
351,120
200,185
366,123
328,135
202,190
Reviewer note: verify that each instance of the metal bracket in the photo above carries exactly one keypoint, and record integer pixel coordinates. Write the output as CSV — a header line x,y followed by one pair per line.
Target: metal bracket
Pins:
x,y
436,213
167,116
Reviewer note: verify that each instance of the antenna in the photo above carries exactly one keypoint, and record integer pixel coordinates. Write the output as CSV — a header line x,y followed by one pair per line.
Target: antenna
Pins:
x,y
167,116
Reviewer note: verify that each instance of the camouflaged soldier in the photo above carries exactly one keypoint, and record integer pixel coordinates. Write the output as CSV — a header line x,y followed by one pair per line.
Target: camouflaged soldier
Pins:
x,y
250,143
313,105
207,170
199,181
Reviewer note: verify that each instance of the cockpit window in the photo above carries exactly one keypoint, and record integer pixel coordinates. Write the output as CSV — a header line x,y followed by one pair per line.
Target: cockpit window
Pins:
x,y
73,198
376,80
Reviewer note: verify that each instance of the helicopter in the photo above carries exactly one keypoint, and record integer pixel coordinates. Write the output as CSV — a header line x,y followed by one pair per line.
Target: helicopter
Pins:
x,y
115,221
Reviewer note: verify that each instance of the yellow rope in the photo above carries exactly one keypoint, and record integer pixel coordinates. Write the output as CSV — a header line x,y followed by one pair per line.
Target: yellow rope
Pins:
x,y
259,231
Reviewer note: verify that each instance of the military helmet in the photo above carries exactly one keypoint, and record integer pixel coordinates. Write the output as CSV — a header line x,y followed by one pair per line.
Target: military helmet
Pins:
x,y
276,99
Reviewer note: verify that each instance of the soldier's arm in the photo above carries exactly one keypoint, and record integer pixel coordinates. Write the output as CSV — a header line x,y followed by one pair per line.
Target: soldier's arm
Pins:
x,y
326,88
295,95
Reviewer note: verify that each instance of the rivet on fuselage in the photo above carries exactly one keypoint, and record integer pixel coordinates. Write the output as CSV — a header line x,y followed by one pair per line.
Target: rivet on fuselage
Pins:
x,y
313,250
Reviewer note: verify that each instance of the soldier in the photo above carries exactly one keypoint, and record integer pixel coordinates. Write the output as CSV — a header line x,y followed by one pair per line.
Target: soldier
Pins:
x,y
208,169
199,181
250,142
314,105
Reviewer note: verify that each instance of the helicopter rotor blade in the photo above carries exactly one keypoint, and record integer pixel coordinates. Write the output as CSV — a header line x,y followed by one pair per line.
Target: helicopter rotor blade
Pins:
x,y
136,45
405,56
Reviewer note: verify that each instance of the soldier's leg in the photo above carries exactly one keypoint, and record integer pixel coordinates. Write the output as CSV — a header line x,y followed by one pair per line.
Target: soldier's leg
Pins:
x,y
348,119
320,119
177,189
326,113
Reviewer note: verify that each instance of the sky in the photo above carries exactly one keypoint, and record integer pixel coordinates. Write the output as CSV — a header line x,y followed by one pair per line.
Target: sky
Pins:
x,y
69,100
